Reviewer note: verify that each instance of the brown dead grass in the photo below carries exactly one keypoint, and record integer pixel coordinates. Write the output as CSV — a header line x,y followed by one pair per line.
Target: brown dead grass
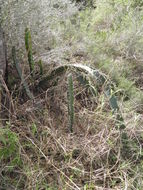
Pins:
x,y
93,154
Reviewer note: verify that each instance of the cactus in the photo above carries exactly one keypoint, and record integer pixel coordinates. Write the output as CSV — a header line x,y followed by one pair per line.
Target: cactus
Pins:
x,y
100,80
28,46
85,81
114,106
70,95
16,64
41,67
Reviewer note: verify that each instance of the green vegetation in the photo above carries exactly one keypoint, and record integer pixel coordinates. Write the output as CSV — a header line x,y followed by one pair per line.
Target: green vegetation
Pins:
x,y
9,146
16,64
70,96
88,76
28,45
41,67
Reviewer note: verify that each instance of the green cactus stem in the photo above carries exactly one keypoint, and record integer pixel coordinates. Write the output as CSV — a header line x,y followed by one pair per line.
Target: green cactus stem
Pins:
x,y
28,46
40,64
99,79
16,64
70,95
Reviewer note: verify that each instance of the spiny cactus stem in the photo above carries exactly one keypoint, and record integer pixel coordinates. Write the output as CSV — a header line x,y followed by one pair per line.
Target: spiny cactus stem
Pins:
x,y
16,64
28,46
70,102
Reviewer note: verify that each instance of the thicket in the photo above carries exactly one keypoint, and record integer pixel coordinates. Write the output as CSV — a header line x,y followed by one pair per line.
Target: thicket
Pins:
x,y
63,127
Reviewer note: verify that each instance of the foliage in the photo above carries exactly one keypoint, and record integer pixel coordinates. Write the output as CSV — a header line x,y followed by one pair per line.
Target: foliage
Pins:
x,y
9,146
110,28
66,37
93,75
48,27
85,3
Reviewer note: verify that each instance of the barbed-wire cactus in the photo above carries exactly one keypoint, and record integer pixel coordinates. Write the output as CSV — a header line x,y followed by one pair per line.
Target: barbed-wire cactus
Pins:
x,y
98,77
70,95
40,64
28,46
16,64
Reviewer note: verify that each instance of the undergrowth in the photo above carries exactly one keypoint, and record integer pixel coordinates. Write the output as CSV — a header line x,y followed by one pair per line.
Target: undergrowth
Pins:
x,y
37,152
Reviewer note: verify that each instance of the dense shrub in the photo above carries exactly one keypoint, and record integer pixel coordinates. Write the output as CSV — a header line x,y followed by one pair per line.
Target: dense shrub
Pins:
x,y
47,20
36,151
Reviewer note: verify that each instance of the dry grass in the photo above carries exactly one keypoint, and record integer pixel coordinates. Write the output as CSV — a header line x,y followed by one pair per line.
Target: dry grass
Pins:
x,y
43,154
94,156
